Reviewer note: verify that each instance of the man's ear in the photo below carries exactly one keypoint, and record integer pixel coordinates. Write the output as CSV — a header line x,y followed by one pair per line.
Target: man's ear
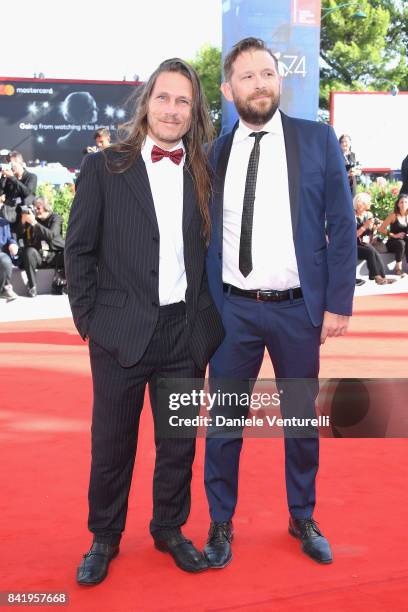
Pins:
x,y
227,91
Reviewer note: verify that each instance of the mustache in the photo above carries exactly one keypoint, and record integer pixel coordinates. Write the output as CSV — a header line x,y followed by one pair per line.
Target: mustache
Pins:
x,y
172,117
261,92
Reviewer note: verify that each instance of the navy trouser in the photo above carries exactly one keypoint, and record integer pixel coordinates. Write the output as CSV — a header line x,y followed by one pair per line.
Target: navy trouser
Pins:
x,y
293,343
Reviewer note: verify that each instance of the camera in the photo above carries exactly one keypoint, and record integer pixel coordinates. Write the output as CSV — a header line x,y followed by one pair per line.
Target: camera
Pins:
x,y
26,209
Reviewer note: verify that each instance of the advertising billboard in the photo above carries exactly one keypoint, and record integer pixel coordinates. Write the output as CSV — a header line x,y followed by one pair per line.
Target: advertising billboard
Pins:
x,y
55,120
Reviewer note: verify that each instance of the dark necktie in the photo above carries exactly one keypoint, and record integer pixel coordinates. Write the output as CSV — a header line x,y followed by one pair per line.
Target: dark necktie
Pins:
x,y
175,156
245,244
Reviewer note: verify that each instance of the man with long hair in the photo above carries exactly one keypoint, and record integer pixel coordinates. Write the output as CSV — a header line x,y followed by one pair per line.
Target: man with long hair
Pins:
x,y
135,253
281,185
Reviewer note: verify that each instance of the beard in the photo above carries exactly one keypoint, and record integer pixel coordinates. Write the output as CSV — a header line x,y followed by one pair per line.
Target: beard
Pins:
x,y
257,113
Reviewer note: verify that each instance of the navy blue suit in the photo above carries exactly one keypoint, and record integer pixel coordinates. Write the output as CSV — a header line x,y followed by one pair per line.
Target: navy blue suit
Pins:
x,y
323,225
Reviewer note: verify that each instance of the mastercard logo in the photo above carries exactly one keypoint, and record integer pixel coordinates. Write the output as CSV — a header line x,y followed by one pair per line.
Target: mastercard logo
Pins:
x,y
7,90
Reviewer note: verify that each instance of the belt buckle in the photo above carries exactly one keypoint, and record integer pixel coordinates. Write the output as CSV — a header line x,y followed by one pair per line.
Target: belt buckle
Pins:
x,y
258,296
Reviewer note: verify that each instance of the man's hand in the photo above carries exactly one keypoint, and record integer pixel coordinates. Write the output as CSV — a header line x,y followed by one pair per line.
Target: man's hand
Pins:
x,y
13,249
8,173
333,325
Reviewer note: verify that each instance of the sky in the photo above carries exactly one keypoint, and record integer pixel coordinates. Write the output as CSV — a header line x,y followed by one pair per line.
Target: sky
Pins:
x,y
105,40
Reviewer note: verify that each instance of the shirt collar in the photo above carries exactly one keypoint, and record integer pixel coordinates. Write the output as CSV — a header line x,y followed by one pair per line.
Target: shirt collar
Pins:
x,y
149,144
274,126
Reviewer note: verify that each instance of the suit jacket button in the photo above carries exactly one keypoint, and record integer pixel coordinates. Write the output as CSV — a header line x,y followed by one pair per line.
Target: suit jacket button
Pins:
x,y
153,272
155,239
155,304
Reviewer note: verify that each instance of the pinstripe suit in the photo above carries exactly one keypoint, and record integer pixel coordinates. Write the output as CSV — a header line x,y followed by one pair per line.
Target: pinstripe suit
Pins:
x,y
112,269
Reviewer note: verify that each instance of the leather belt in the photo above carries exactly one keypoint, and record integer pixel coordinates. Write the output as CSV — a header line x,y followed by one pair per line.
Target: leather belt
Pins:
x,y
265,295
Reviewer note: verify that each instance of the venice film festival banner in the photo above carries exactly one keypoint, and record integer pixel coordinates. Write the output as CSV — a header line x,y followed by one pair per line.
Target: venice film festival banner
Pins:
x,y
291,28
55,120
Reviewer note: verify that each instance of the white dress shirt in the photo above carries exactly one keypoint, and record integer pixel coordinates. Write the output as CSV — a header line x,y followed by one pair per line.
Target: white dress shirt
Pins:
x,y
166,183
273,252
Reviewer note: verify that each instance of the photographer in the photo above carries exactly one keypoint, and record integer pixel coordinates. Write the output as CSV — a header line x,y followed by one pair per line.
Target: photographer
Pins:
x,y
366,227
353,167
8,251
397,222
43,244
17,188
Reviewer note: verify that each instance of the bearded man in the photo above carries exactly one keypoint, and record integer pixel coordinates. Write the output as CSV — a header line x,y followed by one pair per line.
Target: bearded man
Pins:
x,y
281,269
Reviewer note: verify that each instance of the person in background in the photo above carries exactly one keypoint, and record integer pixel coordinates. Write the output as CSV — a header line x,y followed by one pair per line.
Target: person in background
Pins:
x,y
397,222
102,139
43,244
365,229
352,166
18,188
353,170
8,251
404,175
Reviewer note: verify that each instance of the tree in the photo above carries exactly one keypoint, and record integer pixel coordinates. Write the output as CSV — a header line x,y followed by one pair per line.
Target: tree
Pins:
x,y
207,63
363,54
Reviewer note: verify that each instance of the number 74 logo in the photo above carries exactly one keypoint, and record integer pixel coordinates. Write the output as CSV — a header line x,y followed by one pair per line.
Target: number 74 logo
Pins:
x,y
291,64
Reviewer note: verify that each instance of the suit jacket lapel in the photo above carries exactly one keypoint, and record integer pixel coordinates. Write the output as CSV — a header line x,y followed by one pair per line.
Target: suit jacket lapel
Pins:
x,y
138,181
219,182
293,163
189,199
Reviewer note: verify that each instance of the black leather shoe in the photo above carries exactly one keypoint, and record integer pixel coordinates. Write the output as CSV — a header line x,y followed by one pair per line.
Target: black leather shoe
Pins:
x,y
218,549
313,541
94,565
184,553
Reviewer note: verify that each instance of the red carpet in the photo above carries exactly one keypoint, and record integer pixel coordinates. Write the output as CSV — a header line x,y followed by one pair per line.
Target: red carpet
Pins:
x,y
362,491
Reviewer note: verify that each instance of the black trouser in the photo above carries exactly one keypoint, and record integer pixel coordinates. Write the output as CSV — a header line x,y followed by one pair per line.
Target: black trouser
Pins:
x,y
373,258
118,402
6,268
399,247
32,260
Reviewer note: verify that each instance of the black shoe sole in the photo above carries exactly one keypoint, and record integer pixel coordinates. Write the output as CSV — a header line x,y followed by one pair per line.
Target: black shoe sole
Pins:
x,y
164,549
293,534
101,579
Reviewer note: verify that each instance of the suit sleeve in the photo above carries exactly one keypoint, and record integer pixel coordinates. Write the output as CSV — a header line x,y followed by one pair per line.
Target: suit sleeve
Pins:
x,y
341,231
81,244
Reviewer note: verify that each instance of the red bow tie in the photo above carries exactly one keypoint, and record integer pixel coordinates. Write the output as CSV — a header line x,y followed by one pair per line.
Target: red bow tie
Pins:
x,y
175,156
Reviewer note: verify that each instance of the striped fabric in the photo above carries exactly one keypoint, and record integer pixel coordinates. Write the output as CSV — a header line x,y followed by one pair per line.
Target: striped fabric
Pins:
x,y
112,263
